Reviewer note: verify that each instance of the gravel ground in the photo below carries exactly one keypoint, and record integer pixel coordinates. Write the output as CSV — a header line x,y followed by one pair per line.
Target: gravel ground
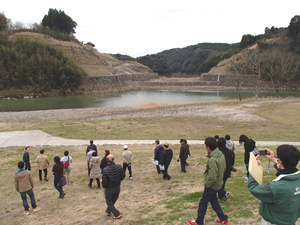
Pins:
x,y
239,112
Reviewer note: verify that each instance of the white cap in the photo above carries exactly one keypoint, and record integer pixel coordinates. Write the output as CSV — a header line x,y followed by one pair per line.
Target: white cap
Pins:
x,y
125,147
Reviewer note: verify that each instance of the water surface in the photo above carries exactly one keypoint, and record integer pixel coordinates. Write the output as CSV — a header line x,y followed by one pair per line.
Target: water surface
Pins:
x,y
126,99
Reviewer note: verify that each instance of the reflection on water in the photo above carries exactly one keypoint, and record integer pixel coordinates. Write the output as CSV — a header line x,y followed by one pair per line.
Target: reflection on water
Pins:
x,y
126,99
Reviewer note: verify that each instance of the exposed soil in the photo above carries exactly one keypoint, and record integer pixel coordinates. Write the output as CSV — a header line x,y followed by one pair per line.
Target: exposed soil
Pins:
x,y
238,112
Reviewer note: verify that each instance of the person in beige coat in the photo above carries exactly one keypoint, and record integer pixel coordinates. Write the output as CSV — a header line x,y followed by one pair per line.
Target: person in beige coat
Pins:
x,y
24,185
42,163
127,159
95,169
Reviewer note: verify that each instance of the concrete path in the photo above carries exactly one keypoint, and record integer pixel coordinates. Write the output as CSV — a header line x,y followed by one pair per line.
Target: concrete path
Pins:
x,y
40,138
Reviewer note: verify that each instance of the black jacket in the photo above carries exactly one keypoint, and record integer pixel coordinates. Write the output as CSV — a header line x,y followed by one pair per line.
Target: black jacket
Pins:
x,y
26,158
249,146
94,148
229,160
103,164
112,176
166,157
158,151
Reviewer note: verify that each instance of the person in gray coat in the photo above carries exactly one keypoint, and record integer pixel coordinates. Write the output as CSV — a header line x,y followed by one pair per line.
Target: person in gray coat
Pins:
x,y
95,169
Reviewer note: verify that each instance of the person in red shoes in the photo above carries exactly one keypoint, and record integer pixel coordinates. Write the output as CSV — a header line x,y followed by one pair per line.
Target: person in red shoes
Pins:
x,y
213,181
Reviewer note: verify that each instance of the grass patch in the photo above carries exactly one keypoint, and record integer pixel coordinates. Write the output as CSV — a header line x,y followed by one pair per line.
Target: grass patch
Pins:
x,y
273,126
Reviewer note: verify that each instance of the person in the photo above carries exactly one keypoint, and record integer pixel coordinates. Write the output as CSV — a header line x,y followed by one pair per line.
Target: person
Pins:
x,y
216,137
26,159
165,160
24,185
249,146
94,147
88,158
157,152
127,159
95,169
112,176
67,170
183,154
280,198
185,141
42,163
222,194
58,172
231,146
104,160
213,181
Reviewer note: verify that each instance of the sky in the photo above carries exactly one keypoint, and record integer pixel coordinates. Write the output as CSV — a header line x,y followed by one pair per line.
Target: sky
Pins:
x,y
140,27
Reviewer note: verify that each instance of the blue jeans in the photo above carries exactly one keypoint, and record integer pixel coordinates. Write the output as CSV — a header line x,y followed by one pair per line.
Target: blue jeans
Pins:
x,y
209,195
24,198
56,185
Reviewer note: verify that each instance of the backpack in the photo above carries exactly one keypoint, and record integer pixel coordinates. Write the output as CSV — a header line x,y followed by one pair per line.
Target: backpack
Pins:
x,y
67,163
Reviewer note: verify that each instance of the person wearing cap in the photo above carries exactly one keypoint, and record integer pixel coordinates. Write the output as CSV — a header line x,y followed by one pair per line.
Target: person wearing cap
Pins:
x,y
127,159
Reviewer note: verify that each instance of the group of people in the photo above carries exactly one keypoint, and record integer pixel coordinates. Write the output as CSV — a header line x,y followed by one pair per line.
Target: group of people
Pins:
x,y
279,199
163,156
112,175
23,178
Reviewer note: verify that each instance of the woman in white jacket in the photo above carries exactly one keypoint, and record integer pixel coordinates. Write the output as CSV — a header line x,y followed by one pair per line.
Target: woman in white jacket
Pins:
x,y
95,169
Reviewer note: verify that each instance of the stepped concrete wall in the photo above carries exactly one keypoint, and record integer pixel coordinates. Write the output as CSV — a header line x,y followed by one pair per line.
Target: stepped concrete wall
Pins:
x,y
99,82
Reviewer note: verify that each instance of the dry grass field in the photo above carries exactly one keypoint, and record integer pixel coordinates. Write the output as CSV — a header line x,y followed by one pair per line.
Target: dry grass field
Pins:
x,y
147,199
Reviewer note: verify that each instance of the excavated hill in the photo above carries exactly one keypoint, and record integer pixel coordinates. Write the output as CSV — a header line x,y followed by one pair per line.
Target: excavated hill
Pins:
x,y
92,62
224,67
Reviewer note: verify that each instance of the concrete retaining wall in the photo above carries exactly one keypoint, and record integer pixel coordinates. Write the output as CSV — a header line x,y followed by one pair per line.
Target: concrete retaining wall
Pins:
x,y
99,82
227,80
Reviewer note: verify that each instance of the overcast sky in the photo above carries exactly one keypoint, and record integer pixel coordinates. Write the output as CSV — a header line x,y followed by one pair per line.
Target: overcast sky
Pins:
x,y
141,27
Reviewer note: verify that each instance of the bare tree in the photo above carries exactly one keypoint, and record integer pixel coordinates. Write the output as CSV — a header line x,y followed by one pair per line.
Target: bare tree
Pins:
x,y
254,63
281,66
239,70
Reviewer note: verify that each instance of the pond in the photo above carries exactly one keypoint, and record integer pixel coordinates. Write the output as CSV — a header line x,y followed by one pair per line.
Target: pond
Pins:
x,y
127,99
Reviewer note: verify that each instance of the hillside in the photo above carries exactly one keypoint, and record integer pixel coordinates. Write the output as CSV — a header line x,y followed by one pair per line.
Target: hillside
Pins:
x,y
88,59
188,61
224,66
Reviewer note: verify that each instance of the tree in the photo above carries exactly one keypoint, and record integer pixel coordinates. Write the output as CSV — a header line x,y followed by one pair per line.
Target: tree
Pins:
x,y
282,67
294,27
3,22
239,69
255,63
90,44
58,20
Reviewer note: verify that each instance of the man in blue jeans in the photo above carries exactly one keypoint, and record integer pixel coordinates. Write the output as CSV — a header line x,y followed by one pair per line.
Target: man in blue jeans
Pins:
x,y
213,181
24,185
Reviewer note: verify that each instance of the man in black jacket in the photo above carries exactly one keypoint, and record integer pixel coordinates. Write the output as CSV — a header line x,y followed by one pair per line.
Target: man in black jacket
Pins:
x,y
184,154
222,194
26,159
112,176
157,154
165,160
94,147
